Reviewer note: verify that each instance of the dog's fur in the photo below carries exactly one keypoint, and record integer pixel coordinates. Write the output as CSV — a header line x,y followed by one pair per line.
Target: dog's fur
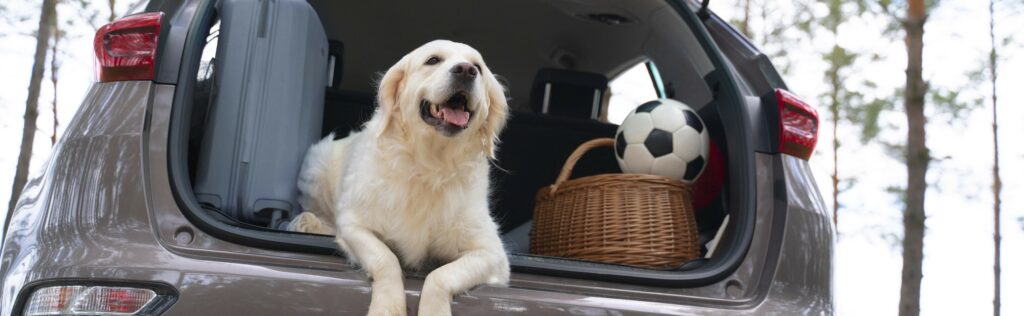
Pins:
x,y
411,191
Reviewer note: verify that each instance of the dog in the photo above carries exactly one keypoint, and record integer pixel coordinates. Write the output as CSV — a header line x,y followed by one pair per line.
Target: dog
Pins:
x,y
411,189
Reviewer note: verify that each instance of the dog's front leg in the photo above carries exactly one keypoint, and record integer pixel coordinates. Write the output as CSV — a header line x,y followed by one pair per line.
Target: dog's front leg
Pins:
x,y
388,293
471,269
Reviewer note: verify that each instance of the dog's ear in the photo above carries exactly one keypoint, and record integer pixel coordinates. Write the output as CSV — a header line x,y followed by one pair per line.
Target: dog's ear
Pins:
x,y
388,94
497,113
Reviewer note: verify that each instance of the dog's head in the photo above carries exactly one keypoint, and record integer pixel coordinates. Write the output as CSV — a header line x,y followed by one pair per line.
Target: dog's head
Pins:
x,y
443,89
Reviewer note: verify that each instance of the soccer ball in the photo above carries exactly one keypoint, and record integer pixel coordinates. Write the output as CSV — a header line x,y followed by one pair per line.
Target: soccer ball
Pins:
x,y
663,137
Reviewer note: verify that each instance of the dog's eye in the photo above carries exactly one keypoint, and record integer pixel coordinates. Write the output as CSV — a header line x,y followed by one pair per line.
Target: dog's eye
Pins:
x,y
433,60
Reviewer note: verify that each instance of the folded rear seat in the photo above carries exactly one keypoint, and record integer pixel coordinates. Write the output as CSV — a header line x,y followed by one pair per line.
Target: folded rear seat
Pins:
x,y
533,149
535,146
345,111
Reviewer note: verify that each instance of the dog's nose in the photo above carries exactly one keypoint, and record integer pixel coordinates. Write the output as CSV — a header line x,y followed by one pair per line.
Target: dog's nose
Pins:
x,y
465,71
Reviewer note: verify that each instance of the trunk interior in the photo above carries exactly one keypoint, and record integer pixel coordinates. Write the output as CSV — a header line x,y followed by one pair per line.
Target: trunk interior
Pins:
x,y
533,45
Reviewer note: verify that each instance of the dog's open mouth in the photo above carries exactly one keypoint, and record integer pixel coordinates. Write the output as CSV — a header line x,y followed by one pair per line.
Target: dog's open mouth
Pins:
x,y
452,116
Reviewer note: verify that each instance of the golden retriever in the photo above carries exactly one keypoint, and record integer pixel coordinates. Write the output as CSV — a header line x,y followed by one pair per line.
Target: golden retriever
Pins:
x,y
412,187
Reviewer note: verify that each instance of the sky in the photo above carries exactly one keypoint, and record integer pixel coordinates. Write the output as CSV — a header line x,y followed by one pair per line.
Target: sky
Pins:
x,y
958,244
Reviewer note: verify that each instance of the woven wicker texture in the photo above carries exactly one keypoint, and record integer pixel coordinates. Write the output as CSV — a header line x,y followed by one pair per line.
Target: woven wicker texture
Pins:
x,y
630,219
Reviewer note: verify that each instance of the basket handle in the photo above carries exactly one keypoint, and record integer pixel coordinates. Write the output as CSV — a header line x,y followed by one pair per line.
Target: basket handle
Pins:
x,y
575,157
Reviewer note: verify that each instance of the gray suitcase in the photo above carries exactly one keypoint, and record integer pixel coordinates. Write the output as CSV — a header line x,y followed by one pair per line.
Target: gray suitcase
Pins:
x,y
272,70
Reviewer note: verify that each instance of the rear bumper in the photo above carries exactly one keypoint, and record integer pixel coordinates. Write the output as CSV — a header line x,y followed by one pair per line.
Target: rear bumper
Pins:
x,y
104,211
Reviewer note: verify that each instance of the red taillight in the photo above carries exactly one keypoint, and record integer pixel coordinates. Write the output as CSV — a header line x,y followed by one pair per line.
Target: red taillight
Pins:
x,y
126,48
798,125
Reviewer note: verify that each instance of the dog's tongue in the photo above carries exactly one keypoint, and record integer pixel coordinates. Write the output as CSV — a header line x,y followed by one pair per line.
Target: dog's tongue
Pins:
x,y
454,116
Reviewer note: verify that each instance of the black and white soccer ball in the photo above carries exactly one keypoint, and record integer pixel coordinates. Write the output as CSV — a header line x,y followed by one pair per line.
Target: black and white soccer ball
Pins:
x,y
663,137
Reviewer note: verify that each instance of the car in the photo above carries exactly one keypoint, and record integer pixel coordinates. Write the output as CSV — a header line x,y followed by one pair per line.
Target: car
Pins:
x,y
169,191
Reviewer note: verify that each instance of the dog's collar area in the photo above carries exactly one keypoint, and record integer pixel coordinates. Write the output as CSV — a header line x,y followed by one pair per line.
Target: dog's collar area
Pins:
x,y
450,117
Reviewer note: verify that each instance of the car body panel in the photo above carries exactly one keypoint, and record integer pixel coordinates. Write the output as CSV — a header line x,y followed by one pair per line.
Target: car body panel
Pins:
x,y
103,209
87,206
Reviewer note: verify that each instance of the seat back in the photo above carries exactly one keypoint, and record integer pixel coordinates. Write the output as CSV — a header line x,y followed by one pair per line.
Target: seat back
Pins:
x,y
346,111
533,150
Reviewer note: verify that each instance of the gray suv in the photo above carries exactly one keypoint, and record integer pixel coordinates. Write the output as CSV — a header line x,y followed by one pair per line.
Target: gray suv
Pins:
x,y
169,190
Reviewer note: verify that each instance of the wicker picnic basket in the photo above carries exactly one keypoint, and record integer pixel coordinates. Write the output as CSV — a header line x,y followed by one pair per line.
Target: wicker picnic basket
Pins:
x,y
630,219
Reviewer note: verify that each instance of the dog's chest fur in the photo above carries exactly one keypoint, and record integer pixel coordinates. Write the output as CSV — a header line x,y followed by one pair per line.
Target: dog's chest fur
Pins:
x,y
423,205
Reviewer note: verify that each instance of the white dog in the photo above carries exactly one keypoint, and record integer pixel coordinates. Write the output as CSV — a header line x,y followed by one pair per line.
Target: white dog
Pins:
x,y
412,187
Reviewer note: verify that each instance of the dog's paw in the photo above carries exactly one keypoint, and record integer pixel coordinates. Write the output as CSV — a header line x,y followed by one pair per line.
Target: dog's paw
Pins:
x,y
435,308
500,276
428,308
307,222
387,298
434,301
381,308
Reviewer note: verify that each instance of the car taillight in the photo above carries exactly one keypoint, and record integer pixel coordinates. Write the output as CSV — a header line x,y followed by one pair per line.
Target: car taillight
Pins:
x,y
89,300
126,48
798,125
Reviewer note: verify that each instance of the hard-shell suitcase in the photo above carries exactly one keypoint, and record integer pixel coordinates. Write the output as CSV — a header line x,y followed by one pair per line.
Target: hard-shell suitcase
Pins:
x,y
271,71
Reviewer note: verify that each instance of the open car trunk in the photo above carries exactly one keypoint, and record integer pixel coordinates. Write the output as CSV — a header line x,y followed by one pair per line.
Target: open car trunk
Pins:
x,y
277,76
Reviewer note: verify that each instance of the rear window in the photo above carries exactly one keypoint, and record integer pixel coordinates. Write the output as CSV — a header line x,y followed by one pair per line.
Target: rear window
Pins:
x,y
630,89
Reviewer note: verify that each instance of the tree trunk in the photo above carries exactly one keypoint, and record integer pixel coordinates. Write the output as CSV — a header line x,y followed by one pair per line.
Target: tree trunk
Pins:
x,y
745,26
837,62
28,133
765,30
917,158
835,165
113,14
835,86
997,182
54,69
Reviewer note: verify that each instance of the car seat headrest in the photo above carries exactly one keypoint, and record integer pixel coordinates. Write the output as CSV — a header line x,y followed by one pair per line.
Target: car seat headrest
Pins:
x,y
568,93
